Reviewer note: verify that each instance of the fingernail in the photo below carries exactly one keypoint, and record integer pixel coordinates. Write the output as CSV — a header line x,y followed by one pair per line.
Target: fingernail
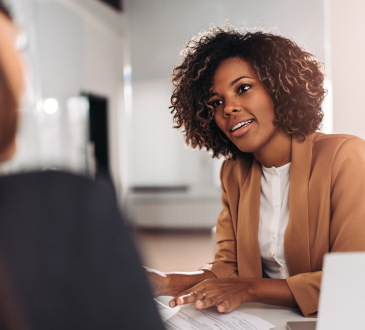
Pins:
x,y
222,308
200,304
172,303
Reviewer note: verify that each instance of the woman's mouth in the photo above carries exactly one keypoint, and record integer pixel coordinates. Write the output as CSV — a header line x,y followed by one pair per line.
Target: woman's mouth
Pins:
x,y
241,128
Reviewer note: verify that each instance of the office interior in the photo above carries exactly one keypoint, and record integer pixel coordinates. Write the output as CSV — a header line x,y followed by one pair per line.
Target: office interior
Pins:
x,y
98,76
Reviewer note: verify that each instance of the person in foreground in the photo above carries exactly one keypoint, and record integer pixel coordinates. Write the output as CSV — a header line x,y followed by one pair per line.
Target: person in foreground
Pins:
x,y
66,258
290,194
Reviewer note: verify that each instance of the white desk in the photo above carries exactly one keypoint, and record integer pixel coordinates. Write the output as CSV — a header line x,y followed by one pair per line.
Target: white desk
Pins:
x,y
273,314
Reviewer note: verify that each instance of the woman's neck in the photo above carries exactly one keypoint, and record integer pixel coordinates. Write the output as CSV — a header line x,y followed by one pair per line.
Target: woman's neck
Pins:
x,y
277,152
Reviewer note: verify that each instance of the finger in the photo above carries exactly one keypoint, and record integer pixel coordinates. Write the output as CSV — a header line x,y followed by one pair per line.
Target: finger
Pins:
x,y
190,294
224,307
190,297
186,297
173,301
228,305
206,303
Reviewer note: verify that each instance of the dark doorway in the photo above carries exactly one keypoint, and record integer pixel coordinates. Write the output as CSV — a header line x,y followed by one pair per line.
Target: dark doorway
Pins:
x,y
116,4
98,131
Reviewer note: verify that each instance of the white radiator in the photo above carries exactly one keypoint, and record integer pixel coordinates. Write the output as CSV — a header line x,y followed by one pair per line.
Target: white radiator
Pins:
x,y
174,210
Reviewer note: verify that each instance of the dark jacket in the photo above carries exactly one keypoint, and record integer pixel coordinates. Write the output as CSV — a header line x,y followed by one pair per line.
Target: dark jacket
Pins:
x,y
67,256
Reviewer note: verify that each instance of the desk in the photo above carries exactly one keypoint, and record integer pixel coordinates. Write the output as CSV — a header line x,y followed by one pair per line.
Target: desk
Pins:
x,y
273,314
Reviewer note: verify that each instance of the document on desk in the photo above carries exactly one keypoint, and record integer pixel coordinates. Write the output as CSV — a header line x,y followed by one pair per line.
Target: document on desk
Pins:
x,y
188,317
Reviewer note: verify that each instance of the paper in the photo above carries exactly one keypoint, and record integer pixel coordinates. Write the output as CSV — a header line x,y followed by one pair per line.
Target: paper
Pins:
x,y
160,305
188,317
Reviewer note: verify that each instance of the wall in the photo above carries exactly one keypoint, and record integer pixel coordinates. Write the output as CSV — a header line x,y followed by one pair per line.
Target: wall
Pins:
x,y
76,46
347,28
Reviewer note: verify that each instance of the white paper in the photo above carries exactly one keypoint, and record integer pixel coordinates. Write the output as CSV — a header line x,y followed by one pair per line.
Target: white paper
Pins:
x,y
188,317
160,305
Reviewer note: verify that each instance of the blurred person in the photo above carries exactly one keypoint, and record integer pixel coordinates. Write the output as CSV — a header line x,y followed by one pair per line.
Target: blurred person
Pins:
x,y
290,194
66,259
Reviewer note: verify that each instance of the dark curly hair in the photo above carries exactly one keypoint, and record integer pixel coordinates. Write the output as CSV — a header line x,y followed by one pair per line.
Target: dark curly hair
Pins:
x,y
292,77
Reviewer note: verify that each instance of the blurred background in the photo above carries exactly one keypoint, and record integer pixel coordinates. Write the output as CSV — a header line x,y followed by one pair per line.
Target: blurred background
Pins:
x,y
98,91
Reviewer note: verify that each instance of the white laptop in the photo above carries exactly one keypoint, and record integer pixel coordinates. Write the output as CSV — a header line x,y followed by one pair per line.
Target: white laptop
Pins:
x,y
342,297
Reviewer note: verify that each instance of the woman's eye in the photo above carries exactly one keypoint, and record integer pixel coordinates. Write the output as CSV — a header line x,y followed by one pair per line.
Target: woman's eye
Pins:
x,y
243,88
216,103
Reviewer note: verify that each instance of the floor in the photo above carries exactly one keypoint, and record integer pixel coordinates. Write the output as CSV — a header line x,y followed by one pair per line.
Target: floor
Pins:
x,y
175,251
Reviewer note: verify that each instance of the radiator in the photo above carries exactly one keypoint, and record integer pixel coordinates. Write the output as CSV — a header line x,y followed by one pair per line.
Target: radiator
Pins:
x,y
174,211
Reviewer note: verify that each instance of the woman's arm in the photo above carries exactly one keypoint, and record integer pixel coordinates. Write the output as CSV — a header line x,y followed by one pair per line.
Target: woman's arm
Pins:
x,y
228,294
225,265
171,284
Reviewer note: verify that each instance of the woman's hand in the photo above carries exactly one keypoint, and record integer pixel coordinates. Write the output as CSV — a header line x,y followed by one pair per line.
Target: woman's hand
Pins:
x,y
170,284
227,294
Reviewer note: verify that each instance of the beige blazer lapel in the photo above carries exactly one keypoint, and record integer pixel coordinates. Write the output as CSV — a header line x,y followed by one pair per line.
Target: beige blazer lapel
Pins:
x,y
248,250
296,242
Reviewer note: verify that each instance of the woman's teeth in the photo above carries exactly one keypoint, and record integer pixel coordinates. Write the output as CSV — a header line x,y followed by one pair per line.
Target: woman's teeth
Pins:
x,y
241,124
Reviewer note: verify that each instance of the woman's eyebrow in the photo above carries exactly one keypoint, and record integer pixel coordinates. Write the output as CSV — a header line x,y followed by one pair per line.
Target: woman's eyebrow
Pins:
x,y
234,81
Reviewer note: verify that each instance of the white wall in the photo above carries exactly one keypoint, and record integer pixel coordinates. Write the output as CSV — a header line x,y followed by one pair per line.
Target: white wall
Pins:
x,y
159,155
77,46
348,70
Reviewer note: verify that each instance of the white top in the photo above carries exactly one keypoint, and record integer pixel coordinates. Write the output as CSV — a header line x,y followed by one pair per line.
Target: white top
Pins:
x,y
274,218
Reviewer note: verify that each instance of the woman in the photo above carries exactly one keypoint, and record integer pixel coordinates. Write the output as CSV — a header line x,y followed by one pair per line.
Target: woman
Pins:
x,y
290,194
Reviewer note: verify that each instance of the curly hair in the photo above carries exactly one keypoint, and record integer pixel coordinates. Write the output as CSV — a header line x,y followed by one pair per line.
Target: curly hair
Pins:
x,y
292,77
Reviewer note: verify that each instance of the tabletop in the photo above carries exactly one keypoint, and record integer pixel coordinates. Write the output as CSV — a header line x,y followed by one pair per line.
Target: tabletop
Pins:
x,y
276,315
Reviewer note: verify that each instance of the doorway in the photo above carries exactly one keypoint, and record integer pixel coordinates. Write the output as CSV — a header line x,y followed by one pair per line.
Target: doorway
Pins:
x,y
98,132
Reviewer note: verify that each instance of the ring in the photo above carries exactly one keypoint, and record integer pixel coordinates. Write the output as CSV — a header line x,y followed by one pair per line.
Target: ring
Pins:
x,y
203,295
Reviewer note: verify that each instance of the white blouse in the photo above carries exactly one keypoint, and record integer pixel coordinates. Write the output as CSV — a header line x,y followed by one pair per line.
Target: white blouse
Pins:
x,y
274,218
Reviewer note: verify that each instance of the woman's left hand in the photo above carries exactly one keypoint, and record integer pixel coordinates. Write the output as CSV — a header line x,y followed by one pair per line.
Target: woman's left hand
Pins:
x,y
225,293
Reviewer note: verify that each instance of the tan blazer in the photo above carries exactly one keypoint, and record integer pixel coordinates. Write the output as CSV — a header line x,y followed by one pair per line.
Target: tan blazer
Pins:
x,y
327,213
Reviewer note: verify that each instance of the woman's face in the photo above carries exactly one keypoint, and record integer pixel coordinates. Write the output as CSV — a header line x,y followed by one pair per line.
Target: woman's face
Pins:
x,y
244,110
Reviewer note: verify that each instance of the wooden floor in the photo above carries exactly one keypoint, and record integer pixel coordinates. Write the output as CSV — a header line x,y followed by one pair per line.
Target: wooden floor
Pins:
x,y
175,251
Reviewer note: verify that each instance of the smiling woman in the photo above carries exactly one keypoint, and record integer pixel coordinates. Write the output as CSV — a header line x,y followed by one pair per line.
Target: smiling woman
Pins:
x,y
255,98
292,77
247,99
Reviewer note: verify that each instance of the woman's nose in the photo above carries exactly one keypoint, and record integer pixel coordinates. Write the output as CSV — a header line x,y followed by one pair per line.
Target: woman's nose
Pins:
x,y
230,108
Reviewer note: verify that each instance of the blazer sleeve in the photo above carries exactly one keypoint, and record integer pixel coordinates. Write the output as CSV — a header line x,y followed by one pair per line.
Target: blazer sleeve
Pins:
x,y
225,263
347,223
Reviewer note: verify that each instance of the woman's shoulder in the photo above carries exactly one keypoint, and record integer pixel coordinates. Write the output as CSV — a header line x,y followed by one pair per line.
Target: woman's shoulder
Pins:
x,y
317,136
342,143
338,148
